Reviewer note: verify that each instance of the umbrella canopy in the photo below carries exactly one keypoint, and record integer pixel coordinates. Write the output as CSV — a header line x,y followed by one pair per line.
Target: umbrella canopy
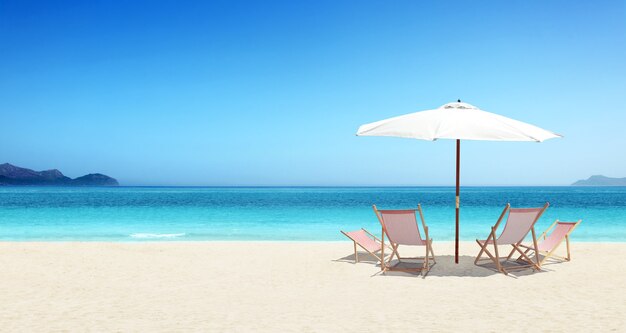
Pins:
x,y
457,121
460,121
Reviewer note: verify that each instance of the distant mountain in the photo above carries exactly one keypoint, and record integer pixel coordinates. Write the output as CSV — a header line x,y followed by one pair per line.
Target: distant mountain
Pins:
x,y
95,179
599,180
14,175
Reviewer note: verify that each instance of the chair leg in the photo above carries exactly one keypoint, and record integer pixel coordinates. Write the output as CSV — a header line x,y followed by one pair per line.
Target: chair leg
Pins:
x,y
482,249
525,252
425,264
431,250
496,261
384,264
535,247
495,246
527,259
356,254
485,251
394,251
510,254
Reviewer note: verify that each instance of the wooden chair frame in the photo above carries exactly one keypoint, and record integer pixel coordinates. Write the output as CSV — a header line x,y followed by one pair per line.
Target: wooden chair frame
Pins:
x,y
550,254
430,255
535,265
356,254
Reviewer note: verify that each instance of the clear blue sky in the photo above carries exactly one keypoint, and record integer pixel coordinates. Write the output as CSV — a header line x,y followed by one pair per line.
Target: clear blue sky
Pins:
x,y
271,93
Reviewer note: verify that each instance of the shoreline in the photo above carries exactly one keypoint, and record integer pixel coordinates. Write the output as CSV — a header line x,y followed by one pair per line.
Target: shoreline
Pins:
x,y
297,186
335,241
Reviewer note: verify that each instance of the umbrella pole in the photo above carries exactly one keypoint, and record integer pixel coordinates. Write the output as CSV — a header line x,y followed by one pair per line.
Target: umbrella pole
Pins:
x,y
458,168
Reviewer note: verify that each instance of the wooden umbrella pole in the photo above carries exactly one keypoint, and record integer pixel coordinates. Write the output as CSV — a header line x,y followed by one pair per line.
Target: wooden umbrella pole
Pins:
x,y
458,169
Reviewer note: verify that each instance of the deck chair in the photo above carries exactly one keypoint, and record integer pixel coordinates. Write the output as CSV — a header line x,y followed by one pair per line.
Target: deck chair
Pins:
x,y
549,244
400,227
519,222
367,242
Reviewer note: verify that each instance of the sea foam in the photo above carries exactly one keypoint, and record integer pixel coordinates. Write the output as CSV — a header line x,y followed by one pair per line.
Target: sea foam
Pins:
x,y
149,235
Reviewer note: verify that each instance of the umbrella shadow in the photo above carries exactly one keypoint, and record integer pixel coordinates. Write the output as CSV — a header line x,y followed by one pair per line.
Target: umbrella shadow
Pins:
x,y
445,266
467,268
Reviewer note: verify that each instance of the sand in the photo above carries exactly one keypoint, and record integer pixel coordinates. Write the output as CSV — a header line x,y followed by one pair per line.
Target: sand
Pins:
x,y
296,287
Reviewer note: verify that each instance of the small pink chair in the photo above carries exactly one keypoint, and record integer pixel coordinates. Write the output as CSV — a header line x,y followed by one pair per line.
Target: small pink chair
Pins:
x,y
549,244
367,242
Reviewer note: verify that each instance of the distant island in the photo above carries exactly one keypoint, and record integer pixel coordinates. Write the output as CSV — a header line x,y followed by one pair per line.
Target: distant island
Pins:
x,y
14,175
599,180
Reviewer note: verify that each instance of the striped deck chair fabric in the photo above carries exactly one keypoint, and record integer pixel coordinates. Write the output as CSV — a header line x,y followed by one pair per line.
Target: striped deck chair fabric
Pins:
x,y
365,240
549,243
400,227
519,223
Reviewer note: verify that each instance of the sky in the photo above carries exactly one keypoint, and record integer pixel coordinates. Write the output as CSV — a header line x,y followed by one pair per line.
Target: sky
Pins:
x,y
272,92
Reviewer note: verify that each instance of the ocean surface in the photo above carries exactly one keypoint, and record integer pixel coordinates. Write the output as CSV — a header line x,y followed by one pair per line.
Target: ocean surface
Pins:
x,y
287,213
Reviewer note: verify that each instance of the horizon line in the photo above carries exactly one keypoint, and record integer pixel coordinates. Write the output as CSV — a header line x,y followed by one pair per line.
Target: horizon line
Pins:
x,y
306,186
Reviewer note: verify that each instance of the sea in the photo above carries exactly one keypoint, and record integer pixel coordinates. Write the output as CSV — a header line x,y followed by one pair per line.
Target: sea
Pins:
x,y
143,214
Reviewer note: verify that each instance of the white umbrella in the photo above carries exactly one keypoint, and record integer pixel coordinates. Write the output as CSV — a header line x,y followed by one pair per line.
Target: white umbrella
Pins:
x,y
456,121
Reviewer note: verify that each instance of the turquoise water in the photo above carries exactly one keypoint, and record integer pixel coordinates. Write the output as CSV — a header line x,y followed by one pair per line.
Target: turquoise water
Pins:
x,y
175,213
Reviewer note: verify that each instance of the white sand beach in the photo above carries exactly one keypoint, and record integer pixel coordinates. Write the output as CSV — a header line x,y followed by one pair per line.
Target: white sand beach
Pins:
x,y
296,287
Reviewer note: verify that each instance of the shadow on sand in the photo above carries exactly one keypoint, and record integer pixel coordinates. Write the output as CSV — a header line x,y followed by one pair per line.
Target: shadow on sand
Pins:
x,y
445,266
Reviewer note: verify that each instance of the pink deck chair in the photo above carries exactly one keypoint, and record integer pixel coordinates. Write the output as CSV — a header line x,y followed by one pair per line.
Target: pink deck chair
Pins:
x,y
368,242
519,222
549,244
400,227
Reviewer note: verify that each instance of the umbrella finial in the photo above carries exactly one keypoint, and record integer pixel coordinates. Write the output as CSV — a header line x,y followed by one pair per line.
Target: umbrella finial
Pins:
x,y
458,100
